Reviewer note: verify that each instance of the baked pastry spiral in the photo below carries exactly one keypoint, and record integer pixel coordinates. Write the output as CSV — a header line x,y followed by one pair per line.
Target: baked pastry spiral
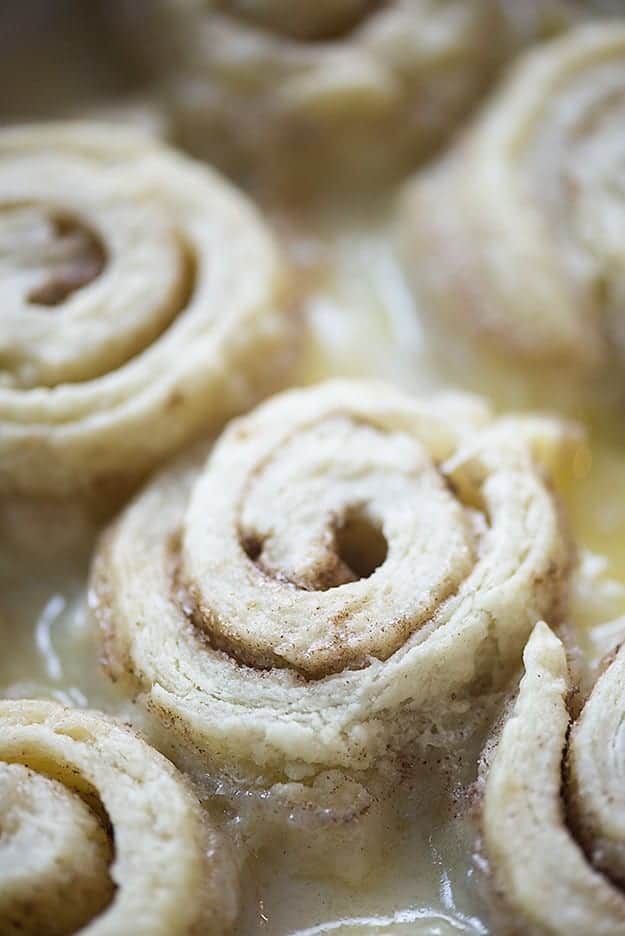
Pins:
x,y
346,569
142,304
100,833
553,818
514,243
275,90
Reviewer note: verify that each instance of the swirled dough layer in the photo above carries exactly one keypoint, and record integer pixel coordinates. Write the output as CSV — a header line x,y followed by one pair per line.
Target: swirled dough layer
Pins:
x,y
358,89
68,851
100,834
348,567
553,806
142,303
515,242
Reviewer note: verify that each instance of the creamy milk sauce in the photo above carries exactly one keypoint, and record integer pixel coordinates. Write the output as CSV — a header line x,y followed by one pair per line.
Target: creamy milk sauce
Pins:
x,y
360,321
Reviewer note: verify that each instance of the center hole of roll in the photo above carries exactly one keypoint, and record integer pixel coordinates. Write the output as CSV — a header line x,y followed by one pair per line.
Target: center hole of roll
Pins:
x,y
360,543
252,547
57,252
76,257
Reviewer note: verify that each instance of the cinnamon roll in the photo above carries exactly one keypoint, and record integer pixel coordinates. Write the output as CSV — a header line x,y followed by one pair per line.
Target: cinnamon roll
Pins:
x,y
143,303
553,823
274,90
514,243
100,834
349,570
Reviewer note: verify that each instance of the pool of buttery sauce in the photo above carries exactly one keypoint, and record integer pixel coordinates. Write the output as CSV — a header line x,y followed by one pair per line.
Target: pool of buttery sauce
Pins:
x,y
360,320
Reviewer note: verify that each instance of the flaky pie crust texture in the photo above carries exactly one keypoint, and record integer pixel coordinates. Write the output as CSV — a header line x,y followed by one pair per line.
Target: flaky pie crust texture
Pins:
x,y
143,304
101,834
270,89
552,820
225,603
514,242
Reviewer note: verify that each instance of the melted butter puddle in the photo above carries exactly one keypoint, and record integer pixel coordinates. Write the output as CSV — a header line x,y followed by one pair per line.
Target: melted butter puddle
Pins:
x,y
424,884
53,652
361,322
436,924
